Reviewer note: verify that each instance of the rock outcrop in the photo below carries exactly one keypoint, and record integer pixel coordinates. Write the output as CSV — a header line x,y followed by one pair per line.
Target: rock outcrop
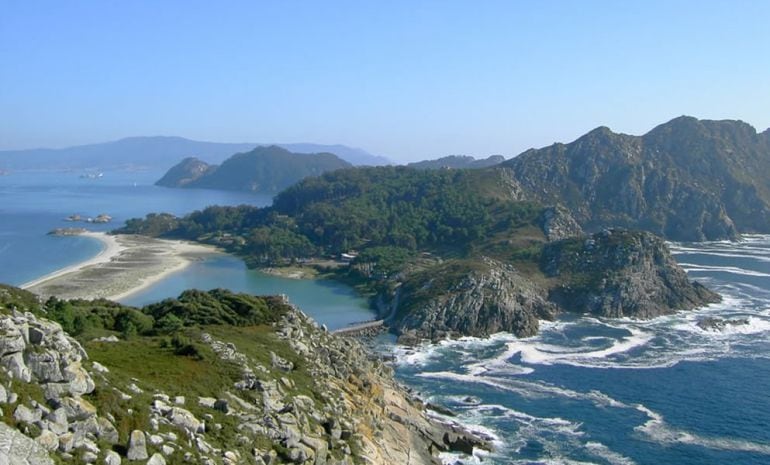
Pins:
x,y
686,180
470,298
614,273
18,449
619,273
185,172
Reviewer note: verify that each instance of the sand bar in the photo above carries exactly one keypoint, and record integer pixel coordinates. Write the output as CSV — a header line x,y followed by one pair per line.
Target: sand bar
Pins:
x,y
127,265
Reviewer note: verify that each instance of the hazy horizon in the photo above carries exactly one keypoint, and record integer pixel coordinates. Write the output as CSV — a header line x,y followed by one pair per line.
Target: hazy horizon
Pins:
x,y
406,81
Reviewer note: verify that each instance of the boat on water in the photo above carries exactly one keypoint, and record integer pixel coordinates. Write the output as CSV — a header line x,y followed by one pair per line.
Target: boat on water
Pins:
x,y
92,175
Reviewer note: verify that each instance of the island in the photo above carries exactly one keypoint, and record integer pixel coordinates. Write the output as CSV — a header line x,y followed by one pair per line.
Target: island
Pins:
x,y
266,170
460,252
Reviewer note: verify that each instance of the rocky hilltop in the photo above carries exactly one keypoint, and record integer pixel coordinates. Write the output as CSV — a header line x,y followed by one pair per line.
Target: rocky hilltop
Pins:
x,y
185,172
618,273
686,180
457,162
264,169
615,273
210,378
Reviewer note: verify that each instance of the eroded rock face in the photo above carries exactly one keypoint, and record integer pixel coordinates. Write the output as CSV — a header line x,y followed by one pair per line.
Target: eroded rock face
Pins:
x,y
473,299
686,180
557,223
18,449
619,273
36,349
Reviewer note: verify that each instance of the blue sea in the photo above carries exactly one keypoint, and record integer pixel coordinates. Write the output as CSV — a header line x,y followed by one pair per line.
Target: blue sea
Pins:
x,y
611,392
584,391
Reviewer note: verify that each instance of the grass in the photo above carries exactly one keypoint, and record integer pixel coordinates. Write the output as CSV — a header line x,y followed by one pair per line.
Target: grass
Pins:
x,y
160,369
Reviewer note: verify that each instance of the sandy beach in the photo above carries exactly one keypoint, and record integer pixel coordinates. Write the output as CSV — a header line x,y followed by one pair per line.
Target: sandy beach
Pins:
x,y
126,265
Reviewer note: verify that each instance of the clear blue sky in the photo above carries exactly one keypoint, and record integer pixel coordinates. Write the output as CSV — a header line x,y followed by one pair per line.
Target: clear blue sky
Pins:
x,y
408,80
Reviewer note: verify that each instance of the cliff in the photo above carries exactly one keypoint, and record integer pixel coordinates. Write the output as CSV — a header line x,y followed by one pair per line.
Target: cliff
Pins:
x,y
614,273
619,273
469,298
686,180
269,387
264,169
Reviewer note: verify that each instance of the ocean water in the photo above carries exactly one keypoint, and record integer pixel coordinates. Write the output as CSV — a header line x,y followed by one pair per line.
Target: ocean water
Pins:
x,y
34,203
593,391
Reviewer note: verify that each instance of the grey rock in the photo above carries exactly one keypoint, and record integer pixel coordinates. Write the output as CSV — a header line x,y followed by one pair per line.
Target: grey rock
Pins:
x,y
14,363
18,449
137,446
720,324
112,458
156,459
77,408
66,442
89,457
184,419
557,223
474,298
57,422
99,368
280,364
106,431
48,440
24,414
207,402
619,273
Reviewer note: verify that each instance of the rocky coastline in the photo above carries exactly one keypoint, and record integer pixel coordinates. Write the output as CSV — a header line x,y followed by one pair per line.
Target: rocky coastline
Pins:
x,y
62,404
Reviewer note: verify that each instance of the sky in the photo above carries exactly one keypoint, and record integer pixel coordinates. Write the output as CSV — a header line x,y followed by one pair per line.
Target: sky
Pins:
x,y
405,79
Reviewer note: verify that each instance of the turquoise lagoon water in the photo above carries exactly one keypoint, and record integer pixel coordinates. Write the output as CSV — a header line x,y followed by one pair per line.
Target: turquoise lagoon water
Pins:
x,y
34,203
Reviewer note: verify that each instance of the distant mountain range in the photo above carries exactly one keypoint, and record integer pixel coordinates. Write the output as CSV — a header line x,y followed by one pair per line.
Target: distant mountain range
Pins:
x,y
458,162
686,180
264,169
158,153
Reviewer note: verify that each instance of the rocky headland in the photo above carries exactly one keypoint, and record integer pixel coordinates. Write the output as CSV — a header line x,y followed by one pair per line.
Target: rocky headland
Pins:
x,y
247,392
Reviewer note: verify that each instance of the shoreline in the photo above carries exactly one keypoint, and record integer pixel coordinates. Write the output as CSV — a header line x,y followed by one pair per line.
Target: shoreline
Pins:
x,y
111,248
128,264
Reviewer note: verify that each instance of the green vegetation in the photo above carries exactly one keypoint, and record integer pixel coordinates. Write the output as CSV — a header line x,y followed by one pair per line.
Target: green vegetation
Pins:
x,y
391,221
162,351
264,169
384,212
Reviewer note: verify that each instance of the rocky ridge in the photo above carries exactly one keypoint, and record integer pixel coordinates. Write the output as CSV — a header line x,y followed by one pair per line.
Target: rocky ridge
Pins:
x,y
686,180
316,399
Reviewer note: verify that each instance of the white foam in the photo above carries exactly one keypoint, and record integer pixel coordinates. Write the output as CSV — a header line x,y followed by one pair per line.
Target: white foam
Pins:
x,y
724,269
546,354
600,450
656,429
